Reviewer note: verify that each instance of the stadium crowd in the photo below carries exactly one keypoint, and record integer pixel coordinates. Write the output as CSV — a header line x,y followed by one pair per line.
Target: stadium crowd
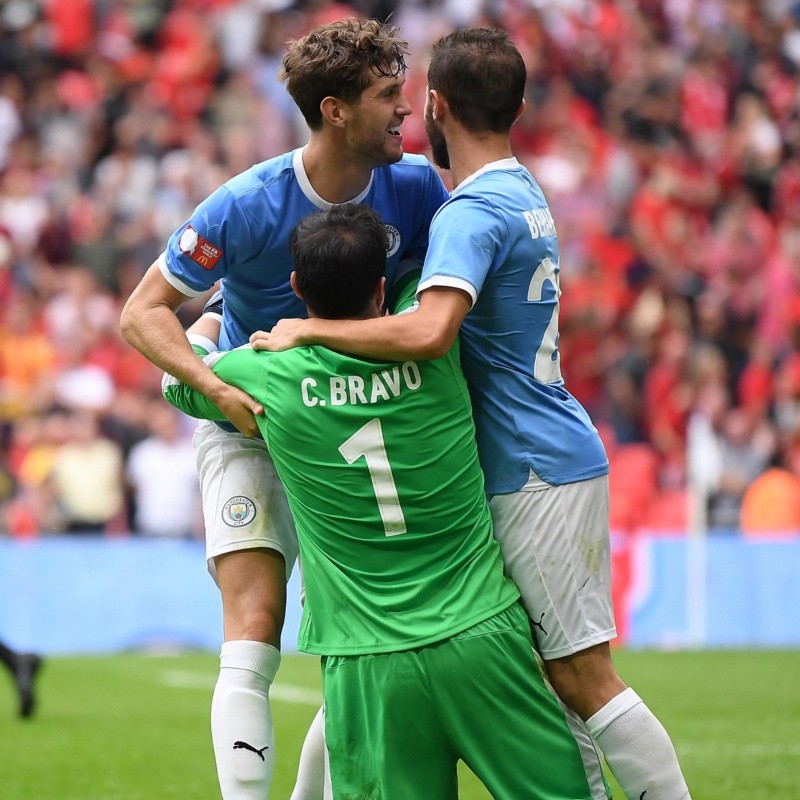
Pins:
x,y
665,134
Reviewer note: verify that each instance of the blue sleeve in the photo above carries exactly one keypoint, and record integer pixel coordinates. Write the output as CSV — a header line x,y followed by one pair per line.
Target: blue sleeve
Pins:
x,y
202,251
468,238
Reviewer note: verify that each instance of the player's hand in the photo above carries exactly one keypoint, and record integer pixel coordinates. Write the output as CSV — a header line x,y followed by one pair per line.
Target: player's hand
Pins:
x,y
286,334
239,408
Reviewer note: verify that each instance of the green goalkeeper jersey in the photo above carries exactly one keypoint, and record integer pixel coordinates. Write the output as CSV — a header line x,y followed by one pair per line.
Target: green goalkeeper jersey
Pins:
x,y
380,467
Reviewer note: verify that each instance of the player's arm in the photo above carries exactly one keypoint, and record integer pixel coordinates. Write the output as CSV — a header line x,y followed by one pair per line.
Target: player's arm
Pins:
x,y
428,332
239,368
460,255
203,333
149,323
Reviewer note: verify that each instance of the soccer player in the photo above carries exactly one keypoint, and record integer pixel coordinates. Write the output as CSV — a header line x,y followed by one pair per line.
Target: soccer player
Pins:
x,y
427,656
347,79
492,273
23,668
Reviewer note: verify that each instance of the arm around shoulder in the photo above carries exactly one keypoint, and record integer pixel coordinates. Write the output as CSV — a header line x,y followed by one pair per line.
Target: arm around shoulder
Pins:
x,y
426,333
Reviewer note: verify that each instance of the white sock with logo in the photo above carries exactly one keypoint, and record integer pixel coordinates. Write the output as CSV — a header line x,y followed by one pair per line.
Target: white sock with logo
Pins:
x,y
311,771
241,720
637,749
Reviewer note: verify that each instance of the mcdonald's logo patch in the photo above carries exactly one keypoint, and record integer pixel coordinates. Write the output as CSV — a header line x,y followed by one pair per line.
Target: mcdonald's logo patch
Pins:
x,y
199,249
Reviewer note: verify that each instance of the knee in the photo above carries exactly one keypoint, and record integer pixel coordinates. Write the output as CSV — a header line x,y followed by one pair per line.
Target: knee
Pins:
x,y
253,588
584,682
254,616
262,625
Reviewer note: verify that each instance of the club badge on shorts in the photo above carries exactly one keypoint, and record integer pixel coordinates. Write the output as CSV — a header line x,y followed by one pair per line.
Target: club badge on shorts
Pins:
x,y
238,511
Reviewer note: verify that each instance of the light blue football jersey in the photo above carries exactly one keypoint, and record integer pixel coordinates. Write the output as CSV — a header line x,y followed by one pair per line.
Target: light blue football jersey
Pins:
x,y
496,240
240,234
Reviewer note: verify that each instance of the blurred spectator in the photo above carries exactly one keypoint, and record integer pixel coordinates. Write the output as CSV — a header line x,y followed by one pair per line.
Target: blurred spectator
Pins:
x,y
744,453
126,421
23,209
87,476
34,509
162,476
99,247
11,100
27,357
78,303
771,504
81,383
786,407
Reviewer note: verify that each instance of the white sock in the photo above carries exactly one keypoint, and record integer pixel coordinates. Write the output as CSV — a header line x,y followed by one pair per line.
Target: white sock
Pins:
x,y
241,720
638,750
311,770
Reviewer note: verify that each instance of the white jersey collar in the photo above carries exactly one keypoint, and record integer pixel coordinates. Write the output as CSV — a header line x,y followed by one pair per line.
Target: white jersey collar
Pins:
x,y
503,163
308,189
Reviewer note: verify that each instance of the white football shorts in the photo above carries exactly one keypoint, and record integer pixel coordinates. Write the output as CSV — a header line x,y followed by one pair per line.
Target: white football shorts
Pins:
x,y
556,547
244,503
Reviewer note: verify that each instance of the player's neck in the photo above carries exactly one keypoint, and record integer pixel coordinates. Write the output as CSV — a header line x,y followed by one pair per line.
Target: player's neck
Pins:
x,y
334,177
468,153
370,313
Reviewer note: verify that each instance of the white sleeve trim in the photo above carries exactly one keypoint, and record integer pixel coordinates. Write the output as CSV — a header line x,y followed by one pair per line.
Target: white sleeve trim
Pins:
x,y
410,310
449,282
168,380
209,345
175,283
212,358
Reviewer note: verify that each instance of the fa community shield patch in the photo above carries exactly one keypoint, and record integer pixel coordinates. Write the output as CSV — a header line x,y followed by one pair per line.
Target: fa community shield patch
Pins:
x,y
238,511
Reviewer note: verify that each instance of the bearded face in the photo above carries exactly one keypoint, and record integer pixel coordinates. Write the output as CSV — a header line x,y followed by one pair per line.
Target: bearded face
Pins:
x,y
441,157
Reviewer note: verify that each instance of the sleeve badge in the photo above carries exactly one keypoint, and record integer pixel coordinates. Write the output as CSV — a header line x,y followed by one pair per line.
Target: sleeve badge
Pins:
x,y
199,249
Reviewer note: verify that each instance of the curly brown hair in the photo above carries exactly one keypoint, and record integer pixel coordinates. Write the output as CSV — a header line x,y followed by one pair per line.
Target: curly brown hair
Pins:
x,y
336,59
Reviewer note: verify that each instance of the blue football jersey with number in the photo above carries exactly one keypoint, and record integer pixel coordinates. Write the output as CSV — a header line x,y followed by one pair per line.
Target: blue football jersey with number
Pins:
x,y
240,235
495,239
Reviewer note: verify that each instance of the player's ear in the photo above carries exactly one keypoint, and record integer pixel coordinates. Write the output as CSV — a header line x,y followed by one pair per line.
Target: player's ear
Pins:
x,y
437,104
293,284
521,110
380,293
334,111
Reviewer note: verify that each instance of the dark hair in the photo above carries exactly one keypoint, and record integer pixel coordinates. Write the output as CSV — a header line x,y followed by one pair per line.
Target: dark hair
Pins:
x,y
482,76
336,59
339,257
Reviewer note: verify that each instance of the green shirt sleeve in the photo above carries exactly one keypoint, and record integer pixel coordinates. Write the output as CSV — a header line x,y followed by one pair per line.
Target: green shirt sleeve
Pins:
x,y
243,368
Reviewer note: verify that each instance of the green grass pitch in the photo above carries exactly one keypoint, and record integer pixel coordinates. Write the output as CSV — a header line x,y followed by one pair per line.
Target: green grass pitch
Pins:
x,y
135,727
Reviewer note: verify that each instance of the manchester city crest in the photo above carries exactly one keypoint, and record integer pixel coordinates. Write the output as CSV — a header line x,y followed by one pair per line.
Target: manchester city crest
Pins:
x,y
393,237
238,511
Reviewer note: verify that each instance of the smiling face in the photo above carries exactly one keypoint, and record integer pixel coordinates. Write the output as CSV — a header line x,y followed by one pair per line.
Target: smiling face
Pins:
x,y
373,129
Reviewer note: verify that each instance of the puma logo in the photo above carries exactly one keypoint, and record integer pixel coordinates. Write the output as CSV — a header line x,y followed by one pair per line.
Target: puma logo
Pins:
x,y
541,628
641,796
260,753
